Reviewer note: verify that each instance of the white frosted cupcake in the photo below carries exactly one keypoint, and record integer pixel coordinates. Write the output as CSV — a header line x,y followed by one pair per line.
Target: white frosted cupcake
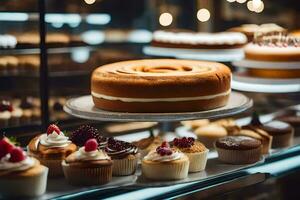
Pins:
x,y
165,163
20,175
194,150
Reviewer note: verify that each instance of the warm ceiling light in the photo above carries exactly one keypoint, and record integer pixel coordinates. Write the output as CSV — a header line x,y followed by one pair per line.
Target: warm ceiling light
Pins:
x,y
260,8
250,5
241,1
165,19
203,15
89,1
231,1
256,4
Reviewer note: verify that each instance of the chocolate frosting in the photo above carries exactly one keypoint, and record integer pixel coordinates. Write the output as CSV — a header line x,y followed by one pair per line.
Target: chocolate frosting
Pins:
x,y
277,128
117,149
238,143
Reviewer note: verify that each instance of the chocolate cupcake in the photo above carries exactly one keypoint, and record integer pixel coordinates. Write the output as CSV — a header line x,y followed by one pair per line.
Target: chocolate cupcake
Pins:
x,y
124,155
238,149
291,117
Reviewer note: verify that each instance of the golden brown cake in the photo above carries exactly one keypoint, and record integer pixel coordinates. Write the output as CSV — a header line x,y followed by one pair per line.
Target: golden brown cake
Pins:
x,y
161,85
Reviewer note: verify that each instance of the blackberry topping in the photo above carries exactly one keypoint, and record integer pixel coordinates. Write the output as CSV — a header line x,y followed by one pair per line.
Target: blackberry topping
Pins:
x,y
183,142
119,149
164,149
84,133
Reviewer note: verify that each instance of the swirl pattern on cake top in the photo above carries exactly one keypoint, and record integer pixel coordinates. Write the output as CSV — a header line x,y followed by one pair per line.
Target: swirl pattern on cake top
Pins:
x,y
161,85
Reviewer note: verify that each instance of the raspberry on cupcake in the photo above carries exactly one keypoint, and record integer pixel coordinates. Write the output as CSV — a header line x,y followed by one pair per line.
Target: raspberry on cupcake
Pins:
x,y
88,165
165,163
51,148
194,150
20,174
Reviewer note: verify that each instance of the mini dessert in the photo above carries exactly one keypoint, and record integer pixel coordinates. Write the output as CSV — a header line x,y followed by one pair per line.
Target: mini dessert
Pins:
x,y
191,40
16,116
20,174
194,124
88,166
51,148
291,117
194,150
27,107
165,163
210,133
85,132
124,155
229,124
250,29
238,149
147,144
5,113
161,85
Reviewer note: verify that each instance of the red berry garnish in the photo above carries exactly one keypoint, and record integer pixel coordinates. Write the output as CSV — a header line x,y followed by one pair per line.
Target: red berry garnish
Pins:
x,y
91,145
17,155
164,149
5,147
52,128
5,106
164,144
184,142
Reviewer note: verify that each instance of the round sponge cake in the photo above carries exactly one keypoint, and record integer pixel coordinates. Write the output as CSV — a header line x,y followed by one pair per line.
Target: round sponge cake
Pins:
x,y
161,85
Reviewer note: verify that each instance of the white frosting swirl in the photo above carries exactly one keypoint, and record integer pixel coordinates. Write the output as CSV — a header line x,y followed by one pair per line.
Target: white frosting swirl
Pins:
x,y
5,164
154,156
54,140
81,154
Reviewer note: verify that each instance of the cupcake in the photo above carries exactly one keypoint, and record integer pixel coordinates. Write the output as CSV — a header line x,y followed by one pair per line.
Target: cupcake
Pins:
x,y
5,113
238,149
85,132
125,157
194,150
88,166
229,124
20,174
16,116
194,124
145,145
165,163
27,107
51,148
282,133
292,117
209,134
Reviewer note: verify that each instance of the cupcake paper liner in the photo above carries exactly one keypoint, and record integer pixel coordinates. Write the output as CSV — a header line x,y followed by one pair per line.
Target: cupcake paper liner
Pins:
x,y
281,141
173,170
87,176
208,141
55,168
125,166
30,186
239,156
197,160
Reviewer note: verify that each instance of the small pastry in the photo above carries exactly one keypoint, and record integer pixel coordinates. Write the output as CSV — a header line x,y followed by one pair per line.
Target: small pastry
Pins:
x,y
125,157
292,117
229,124
36,114
20,175
16,116
210,133
238,149
165,163
194,150
147,144
27,106
88,166
194,124
85,132
5,113
51,148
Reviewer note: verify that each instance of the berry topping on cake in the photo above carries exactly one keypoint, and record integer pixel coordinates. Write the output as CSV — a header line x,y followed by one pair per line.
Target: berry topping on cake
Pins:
x,y
164,149
91,145
5,147
53,128
84,133
17,155
183,142
5,106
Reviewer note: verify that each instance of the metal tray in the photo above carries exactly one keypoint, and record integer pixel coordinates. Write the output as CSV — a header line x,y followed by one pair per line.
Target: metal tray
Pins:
x,y
83,107
266,65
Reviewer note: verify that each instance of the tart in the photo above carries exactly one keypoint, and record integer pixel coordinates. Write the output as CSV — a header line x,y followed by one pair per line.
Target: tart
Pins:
x,y
165,163
88,166
210,133
125,156
51,148
238,149
160,85
20,175
194,150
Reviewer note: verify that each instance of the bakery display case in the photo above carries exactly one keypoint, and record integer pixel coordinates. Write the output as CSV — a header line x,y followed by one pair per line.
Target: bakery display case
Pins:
x,y
149,99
